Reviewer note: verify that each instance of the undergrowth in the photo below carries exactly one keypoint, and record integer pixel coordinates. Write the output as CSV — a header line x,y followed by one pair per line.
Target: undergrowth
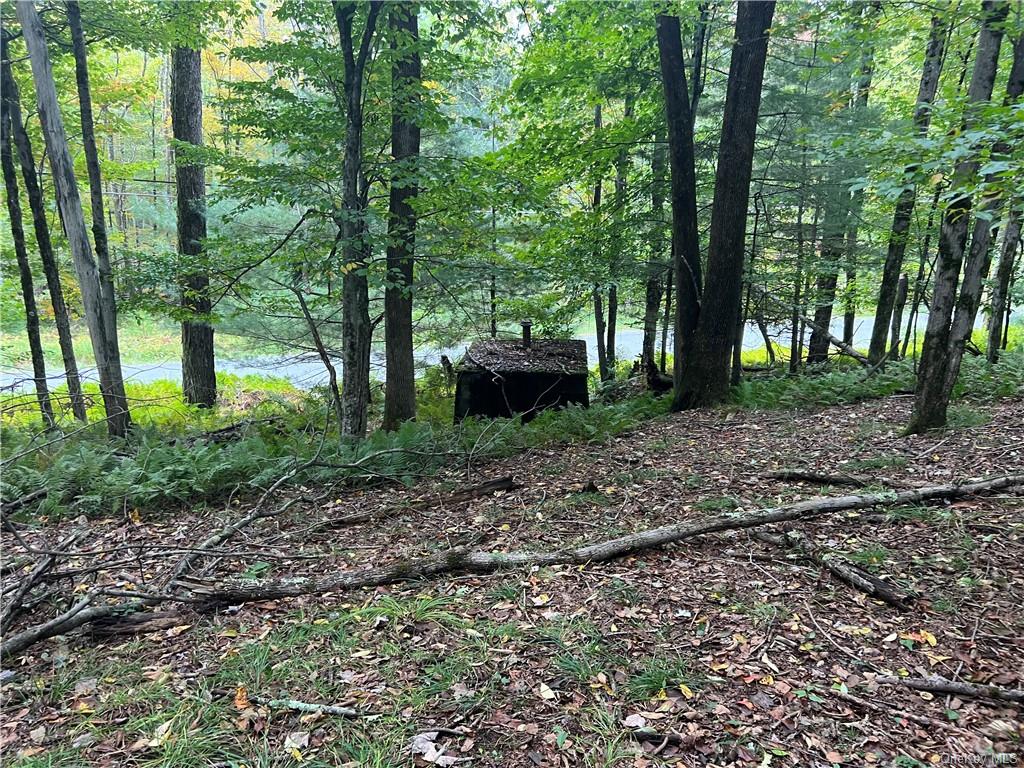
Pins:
x,y
167,463
978,379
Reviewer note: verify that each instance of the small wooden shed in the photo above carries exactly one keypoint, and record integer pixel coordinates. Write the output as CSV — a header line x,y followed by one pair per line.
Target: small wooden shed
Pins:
x,y
504,378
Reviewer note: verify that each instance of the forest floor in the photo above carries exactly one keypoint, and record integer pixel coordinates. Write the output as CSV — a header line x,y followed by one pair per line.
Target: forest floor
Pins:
x,y
719,651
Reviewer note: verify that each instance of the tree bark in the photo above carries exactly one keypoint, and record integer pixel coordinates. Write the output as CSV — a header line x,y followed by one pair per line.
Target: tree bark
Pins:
x,y
904,212
355,320
599,327
42,230
836,213
859,102
28,296
938,369
667,319
686,265
923,272
97,306
897,316
603,370
1001,287
400,391
705,376
198,373
92,164
979,257
656,263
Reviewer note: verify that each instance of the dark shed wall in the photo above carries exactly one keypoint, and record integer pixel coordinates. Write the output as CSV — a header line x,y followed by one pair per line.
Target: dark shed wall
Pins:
x,y
479,394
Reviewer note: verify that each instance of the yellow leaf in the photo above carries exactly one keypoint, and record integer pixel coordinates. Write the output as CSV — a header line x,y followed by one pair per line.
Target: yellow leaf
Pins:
x,y
685,690
296,754
929,637
321,622
767,680
135,516
242,697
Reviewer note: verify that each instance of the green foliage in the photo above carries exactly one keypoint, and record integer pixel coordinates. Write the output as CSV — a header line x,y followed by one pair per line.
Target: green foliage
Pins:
x,y
978,379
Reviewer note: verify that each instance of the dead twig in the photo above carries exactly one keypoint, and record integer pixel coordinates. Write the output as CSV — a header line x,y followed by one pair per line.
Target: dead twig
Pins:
x,y
936,684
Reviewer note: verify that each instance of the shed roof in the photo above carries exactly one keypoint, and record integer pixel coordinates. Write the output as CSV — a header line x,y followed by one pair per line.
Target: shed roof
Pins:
x,y
568,356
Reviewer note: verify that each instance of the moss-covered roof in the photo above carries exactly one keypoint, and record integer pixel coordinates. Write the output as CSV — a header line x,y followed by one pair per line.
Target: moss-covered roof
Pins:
x,y
567,356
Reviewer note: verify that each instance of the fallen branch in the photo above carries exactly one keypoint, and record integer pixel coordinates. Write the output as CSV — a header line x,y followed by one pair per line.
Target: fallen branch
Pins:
x,y
465,560
302,706
823,478
13,606
936,684
28,498
841,568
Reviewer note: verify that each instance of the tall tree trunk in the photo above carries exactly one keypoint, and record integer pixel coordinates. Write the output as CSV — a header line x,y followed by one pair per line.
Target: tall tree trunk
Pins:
x,y
400,392
198,375
599,327
97,310
705,377
355,320
795,351
25,271
42,230
923,272
614,266
667,321
1001,287
979,258
656,262
603,370
837,209
938,367
861,92
897,316
92,164
686,266
903,215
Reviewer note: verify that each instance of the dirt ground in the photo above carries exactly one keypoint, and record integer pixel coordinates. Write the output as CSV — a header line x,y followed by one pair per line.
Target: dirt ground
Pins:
x,y
720,651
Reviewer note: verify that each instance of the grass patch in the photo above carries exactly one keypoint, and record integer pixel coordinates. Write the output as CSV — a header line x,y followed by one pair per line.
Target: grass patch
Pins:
x,y
654,676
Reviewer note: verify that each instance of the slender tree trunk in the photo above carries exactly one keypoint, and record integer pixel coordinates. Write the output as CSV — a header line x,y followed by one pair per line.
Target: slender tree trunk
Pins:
x,y
99,227
355,321
897,316
667,321
1001,287
940,355
705,376
861,93
494,306
604,371
686,265
599,327
400,392
43,242
795,352
198,373
923,272
832,251
70,204
656,263
903,215
979,258
614,265
28,295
